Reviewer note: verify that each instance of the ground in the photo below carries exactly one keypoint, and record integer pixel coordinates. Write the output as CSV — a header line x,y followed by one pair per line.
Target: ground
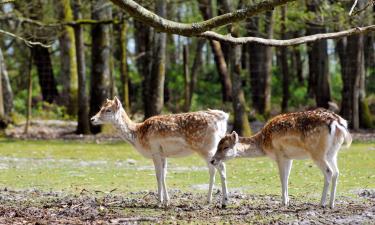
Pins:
x,y
96,180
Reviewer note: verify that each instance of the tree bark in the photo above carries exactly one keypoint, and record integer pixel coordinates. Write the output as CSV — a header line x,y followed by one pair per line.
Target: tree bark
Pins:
x,y
195,68
260,65
100,53
284,63
68,73
187,79
219,58
83,109
351,55
42,60
6,87
124,66
319,81
155,99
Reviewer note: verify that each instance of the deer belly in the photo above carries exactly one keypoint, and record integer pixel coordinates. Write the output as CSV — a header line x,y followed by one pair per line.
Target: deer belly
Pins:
x,y
175,147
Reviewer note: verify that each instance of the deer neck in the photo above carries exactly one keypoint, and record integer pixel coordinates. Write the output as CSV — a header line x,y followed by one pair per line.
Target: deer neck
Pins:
x,y
250,147
125,126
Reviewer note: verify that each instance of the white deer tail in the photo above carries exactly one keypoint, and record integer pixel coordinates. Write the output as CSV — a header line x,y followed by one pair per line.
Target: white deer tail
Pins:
x,y
342,126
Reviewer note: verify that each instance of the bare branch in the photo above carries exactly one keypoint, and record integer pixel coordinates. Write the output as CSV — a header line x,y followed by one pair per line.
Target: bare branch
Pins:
x,y
27,42
351,10
289,42
191,29
5,1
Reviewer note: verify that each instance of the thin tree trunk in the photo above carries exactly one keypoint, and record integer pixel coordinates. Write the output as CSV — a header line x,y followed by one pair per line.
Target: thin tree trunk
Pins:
x,y
284,62
100,74
124,66
6,87
68,60
195,68
83,111
220,62
29,94
187,79
2,111
155,100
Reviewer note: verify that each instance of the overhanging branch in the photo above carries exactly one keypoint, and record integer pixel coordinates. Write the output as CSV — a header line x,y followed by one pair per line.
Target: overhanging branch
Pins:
x,y
290,42
192,29
27,42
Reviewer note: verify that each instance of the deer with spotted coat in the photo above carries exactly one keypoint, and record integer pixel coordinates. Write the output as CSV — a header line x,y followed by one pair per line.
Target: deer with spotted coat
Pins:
x,y
175,135
317,134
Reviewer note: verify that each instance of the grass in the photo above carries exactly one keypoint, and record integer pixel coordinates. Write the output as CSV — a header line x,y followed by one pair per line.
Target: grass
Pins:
x,y
72,166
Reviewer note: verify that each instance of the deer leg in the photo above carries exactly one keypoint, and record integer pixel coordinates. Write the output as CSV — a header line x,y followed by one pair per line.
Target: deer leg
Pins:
x,y
335,175
212,172
158,171
327,171
285,166
223,176
164,174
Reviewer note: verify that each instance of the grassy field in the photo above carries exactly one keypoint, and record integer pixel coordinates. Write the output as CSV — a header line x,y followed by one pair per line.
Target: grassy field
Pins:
x,y
72,166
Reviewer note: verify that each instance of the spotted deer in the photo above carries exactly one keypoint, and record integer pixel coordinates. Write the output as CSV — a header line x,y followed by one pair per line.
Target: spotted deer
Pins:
x,y
316,134
175,135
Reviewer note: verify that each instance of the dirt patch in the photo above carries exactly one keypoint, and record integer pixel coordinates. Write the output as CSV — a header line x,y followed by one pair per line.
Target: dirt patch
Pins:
x,y
36,207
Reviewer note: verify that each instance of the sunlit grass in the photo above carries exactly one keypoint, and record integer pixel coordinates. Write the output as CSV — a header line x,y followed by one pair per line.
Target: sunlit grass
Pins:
x,y
73,166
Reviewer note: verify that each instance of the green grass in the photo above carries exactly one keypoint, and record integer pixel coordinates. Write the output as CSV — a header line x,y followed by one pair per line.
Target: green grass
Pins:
x,y
72,166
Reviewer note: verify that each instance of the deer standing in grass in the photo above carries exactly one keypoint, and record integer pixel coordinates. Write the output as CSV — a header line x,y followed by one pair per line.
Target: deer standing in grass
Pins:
x,y
176,135
317,134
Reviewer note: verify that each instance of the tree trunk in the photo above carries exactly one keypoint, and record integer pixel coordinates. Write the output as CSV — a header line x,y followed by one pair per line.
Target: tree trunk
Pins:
x,y
260,65
143,40
83,111
351,56
187,79
42,60
6,87
155,99
68,60
221,64
124,66
284,63
100,53
29,94
195,68
319,83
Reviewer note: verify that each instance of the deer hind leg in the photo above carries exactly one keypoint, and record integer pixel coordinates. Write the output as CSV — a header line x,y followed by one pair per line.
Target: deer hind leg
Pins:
x,y
158,171
164,185
223,175
332,160
212,172
326,169
285,166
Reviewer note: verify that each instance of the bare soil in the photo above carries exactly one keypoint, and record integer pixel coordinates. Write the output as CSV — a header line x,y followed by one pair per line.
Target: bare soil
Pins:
x,y
36,207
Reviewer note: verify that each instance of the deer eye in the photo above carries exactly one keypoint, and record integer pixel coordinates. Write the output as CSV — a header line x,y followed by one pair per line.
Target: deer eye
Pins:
x,y
108,110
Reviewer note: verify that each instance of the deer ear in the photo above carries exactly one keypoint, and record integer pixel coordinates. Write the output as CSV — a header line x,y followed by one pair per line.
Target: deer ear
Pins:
x,y
235,136
117,103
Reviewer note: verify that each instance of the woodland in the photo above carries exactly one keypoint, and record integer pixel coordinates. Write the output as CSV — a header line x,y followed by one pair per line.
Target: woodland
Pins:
x,y
62,59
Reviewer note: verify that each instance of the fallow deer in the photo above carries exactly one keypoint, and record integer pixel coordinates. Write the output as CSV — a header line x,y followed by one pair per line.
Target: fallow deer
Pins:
x,y
316,134
175,135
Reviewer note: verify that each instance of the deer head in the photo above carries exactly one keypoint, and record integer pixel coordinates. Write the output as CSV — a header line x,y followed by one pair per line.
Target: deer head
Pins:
x,y
225,148
108,112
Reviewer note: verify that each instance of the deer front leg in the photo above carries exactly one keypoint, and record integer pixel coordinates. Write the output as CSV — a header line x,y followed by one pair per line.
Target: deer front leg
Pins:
x,y
212,172
164,175
158,171
223,176
285,166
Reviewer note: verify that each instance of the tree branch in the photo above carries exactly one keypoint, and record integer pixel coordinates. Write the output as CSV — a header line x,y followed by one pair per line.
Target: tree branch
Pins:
x,y
289,42
191,29
27,42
